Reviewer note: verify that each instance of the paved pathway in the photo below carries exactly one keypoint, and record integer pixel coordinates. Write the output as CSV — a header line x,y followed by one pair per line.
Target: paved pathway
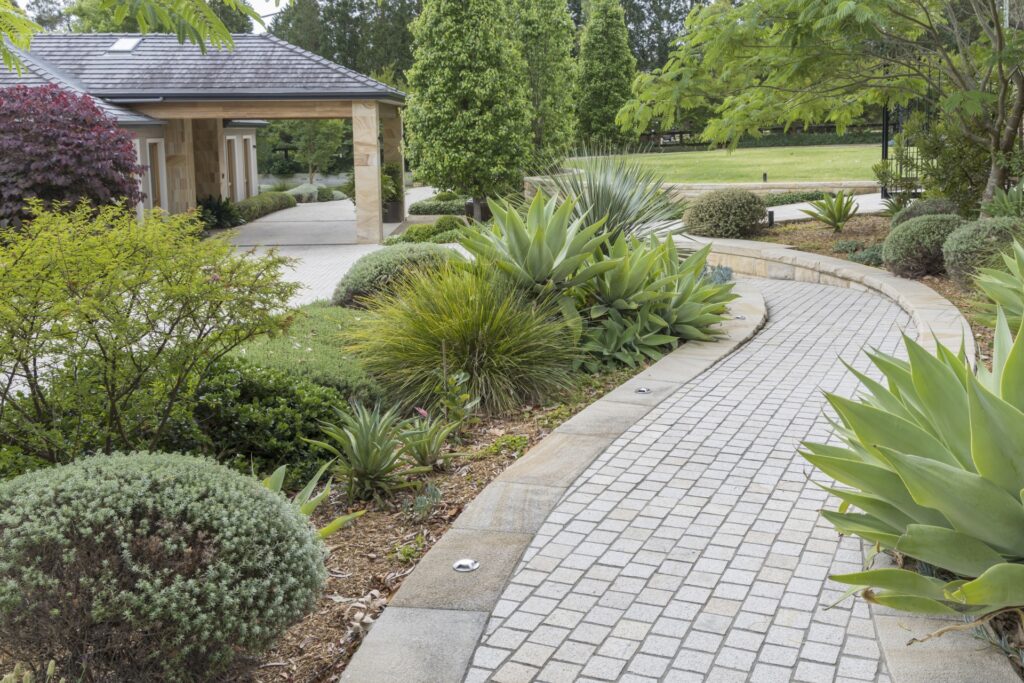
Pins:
x,y
693,548
320,236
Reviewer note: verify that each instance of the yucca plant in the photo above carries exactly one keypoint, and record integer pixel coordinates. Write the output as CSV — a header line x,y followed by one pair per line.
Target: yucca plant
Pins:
x,y
933,460
547,252
835,212
895,203
423,440
1006,203
307,502
1005,288
624,190
512,347
368,451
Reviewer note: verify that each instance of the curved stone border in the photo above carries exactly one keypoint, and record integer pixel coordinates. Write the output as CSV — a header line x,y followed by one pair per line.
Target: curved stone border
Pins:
x,y
958,656
935,317
432,625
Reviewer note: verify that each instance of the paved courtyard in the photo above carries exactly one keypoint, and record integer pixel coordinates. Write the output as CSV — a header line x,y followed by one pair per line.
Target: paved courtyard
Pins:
x,y
693,548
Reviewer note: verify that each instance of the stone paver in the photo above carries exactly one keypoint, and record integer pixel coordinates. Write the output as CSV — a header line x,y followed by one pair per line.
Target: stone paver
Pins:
x,y
693,548
866,204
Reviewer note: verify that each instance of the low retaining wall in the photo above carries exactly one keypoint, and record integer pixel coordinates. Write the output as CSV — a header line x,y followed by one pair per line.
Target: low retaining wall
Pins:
x,y
934,316
433,624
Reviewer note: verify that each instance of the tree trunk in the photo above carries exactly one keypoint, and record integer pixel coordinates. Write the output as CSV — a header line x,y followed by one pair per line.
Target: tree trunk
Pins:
x,y
996,179
478,209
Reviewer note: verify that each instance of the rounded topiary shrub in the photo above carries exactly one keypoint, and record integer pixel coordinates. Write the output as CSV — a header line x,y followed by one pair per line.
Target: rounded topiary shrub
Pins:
x,y
925,207
379,270
914,248
726,213
978,245
150,567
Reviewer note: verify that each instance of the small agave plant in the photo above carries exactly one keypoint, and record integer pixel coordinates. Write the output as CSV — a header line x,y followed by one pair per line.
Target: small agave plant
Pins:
x,y
307,503
935,468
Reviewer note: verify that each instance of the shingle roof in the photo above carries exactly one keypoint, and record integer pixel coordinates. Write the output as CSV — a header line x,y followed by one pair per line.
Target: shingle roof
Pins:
x,y
36,71
259,66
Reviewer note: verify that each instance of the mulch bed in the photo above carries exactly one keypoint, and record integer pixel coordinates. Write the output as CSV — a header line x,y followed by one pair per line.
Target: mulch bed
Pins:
x,y
368,561
818,238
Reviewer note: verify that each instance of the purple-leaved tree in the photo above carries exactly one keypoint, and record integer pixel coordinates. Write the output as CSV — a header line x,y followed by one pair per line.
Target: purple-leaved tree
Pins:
x,y
58,146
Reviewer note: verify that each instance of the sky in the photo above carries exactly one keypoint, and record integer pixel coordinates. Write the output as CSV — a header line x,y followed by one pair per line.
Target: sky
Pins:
x,y
266,9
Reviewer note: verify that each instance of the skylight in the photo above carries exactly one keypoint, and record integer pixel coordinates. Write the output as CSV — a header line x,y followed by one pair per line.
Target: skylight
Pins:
x,y
124,44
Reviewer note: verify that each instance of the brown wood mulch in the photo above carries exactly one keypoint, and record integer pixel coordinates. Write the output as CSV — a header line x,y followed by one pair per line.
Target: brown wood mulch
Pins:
x,y
368,560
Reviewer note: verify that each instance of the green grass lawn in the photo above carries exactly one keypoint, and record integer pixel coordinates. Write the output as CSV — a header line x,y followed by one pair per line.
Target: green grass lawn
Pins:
x,y
826,162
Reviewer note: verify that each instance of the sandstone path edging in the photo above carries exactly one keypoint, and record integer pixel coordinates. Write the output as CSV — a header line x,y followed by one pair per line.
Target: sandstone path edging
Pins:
x,y
432,625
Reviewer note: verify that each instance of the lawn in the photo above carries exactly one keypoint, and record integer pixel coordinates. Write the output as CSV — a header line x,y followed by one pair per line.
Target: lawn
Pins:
x,y
826,162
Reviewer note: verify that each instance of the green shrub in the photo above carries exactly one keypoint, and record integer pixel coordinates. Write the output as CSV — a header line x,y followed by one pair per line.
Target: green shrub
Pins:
x,y
107,326
304,193
729,213
312,348
978,245
266,202
446,196
794,197
435,206
367,449
426,232
623,189
914,247
150,567
380,270
324,194
925,207
448,236
392,187
218,213
869,256
847,246
437,324
1006,203
258,418
931,462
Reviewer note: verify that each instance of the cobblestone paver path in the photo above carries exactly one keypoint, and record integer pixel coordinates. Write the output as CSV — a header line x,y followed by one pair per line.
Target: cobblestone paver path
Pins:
x,y
692,549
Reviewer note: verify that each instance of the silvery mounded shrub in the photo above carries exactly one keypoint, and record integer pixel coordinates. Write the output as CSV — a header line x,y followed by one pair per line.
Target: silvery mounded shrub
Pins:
x,y
150,567
914,248
730,212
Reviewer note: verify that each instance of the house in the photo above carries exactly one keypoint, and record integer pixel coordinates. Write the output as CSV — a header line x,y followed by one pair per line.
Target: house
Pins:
x,y
194,114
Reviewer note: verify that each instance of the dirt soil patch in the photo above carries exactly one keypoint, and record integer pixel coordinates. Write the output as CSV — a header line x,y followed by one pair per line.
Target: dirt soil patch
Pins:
x,y
368,561
818,238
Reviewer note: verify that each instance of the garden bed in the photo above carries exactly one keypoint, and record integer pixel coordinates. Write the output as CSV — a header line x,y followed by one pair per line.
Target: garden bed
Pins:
x,y
815,237
368,561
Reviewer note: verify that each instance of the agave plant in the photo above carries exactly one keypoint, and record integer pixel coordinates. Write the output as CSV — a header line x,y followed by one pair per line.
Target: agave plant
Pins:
x,y
1008,203
634,278
618,339
307,502
696,302
622,189
895,203
368,452
933,459
835,212
548,251
1005,288
424,438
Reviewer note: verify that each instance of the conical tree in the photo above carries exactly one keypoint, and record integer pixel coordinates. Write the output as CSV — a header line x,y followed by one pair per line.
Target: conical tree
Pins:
x,y
547,34
607,68
468,119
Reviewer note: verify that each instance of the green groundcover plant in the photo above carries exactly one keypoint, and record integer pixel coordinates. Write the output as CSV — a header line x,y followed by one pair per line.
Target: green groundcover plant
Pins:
x,y
932,460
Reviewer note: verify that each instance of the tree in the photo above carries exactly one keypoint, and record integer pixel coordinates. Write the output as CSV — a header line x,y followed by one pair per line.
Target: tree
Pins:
x,y
468,118
546,35
57,146
779,62
319,143
607,68
97,16
366,35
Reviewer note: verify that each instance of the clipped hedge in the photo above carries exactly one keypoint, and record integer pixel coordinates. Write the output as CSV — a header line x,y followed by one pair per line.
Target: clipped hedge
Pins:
x,y
925,207
380,270
426,232
726,213
266,202
435,206
794,197
914,248
978,245
150,567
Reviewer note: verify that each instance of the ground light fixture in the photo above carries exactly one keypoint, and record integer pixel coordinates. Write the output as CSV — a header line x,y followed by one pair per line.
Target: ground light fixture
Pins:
x,y
466,564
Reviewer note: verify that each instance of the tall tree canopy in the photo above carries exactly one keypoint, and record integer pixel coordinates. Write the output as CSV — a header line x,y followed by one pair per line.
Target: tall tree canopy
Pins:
x,y
98,16
652,24
370,36
607,68
468,117
547,35
778,62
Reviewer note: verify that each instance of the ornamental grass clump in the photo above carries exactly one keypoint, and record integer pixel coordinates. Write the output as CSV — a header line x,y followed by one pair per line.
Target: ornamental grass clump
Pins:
x,y
514,349
150,567
933,466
